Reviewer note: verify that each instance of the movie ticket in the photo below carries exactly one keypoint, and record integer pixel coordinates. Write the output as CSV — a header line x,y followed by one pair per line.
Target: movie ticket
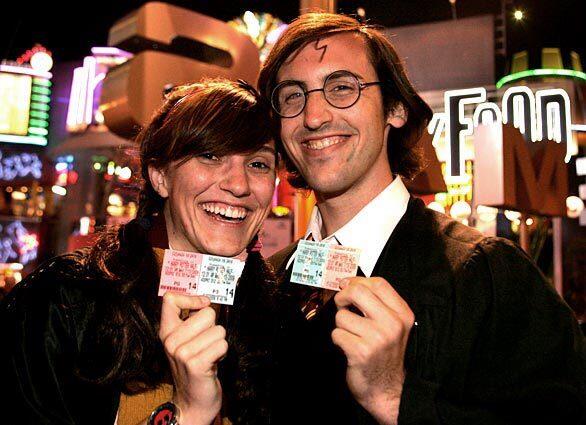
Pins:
x,y
191,273
323,265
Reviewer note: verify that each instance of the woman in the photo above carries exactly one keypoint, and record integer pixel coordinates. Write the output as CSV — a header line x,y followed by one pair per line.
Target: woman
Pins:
x,y
87,326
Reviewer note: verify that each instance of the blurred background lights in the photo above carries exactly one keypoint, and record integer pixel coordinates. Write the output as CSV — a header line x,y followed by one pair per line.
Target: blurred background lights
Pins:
x,y
84,225
460,210
41,61
18,196
61,166
115,199
518,15
252,24
125,173
58,190
512,215
263,28
574,206
280,211
486,214
436,206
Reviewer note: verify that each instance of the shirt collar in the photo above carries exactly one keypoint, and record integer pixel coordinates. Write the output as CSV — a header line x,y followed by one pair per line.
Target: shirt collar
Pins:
x,y
370,229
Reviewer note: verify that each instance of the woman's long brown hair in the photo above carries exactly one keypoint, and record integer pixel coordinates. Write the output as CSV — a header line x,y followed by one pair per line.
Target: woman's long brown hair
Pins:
x,y
215,116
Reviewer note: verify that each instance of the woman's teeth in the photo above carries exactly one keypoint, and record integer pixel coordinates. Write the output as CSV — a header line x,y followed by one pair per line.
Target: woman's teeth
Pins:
x,y
225,211
323,143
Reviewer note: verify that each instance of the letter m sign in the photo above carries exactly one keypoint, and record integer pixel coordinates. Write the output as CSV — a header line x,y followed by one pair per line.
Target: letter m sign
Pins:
x,y
512,173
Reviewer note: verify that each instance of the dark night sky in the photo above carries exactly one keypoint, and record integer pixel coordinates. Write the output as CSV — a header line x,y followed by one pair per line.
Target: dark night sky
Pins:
x,y
70,29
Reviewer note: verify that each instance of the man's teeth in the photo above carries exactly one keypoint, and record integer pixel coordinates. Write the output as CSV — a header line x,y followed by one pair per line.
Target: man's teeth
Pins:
x,y
324,143
225,210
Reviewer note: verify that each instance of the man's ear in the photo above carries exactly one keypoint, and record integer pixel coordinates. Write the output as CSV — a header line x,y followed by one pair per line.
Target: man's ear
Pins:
x,y
158,181
397,116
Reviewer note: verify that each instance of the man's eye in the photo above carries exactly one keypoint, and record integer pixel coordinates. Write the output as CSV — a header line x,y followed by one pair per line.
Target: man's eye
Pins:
x,y
209,156
341,88
293,97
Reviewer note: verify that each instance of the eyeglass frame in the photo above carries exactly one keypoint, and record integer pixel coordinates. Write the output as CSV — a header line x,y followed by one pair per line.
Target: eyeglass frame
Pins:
x,y
361,86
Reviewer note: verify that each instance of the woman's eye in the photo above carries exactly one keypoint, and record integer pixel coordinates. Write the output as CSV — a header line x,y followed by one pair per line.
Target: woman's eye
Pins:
x,y
260,165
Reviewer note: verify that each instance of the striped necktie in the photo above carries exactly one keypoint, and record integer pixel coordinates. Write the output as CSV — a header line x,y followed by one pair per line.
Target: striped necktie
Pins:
x,y
313,300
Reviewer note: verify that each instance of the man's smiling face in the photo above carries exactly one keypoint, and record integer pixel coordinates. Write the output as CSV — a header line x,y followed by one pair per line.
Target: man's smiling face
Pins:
x,y
336,149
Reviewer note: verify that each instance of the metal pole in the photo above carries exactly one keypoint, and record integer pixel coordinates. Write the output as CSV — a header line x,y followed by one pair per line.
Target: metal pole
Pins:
x,y
454,12
558,277
524,234
314,5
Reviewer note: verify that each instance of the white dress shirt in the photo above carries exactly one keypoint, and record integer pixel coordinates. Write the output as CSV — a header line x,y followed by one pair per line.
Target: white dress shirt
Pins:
x,y
370,229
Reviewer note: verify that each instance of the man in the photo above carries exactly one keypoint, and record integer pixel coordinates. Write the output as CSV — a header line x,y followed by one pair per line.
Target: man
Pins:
x,y
446,325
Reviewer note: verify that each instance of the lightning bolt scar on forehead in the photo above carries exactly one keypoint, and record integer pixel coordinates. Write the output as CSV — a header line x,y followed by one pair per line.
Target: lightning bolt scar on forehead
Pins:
x,y
322,48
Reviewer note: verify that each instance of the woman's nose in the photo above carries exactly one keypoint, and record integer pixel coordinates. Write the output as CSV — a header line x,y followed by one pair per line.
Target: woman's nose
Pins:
x,y
236,181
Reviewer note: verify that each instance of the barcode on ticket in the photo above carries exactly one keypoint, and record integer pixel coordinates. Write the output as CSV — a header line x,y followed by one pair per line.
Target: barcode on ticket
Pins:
x,y
217,298
172,288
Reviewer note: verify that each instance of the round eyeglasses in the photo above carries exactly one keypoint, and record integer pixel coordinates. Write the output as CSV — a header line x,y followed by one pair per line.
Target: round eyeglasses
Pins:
x,y
341,89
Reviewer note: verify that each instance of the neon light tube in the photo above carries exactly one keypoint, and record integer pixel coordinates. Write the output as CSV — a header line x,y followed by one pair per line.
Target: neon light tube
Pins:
x,y
540,73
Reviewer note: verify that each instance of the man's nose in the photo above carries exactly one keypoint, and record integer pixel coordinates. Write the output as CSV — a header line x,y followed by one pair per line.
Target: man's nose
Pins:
x,y
236,181
317,110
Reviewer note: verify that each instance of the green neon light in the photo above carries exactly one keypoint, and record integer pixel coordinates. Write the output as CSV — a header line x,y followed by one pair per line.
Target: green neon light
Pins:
x,y
42,82
40,106
38,123
541,73
39,114
40,98
38,131
41,90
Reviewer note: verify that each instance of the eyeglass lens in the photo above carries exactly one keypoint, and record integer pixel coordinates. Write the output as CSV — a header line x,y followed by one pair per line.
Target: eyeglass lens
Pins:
x,y
341,90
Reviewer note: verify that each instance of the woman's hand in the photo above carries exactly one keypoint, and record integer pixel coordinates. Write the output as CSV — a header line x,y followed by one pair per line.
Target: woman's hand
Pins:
x,y
193,346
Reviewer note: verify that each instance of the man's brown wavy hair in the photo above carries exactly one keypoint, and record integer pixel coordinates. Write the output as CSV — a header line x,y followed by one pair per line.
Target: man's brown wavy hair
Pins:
x,y
404,155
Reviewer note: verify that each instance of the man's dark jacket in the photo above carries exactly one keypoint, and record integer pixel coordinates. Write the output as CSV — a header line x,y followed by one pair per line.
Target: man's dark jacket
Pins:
x,y
494,343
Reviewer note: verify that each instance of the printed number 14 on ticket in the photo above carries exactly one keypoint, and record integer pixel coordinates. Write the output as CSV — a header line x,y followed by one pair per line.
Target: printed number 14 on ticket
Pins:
x,y
323,265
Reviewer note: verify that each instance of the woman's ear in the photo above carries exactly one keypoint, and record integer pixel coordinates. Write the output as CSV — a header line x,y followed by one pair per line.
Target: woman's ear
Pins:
x,y
158,181
397,116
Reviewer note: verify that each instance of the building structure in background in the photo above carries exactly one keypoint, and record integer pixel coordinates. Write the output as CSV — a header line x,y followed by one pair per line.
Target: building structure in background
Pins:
x,y
96,169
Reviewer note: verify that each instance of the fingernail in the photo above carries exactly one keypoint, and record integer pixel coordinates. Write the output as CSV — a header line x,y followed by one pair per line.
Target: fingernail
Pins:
x,y
344,282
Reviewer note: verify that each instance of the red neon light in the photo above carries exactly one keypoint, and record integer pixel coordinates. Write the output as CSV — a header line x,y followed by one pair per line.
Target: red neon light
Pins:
x,y
26,56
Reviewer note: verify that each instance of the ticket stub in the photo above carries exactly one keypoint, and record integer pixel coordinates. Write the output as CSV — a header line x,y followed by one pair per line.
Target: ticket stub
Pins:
x,y
191,273
323,265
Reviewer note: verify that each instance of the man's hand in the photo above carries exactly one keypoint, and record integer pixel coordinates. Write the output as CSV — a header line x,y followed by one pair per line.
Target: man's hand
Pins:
x,y
374,343
193,347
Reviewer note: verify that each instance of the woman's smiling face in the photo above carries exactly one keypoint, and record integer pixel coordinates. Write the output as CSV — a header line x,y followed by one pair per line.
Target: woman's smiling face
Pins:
x,y
216,205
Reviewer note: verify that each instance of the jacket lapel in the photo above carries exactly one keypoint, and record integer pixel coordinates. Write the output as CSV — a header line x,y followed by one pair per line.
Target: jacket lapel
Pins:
x,y
395,261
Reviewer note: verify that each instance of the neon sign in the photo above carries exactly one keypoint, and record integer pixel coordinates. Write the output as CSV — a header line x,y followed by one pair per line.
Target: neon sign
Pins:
x,y
540,73
85,87
20,165
17,244
539,116
25,95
